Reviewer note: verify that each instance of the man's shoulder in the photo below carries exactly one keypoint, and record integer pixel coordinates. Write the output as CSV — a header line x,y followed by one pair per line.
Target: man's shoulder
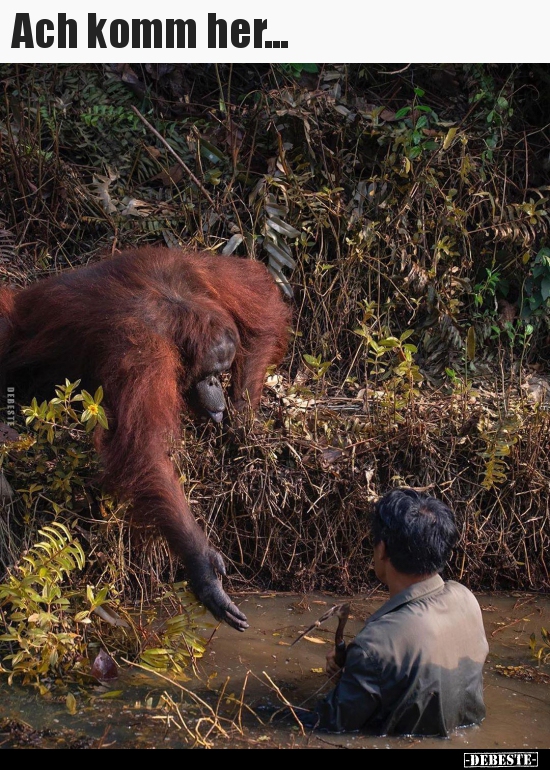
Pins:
x,y
453,588
414,627
454,585
419,611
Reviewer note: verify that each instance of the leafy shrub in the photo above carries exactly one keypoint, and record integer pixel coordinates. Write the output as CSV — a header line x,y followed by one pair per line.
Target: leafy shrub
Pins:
x,y
55,622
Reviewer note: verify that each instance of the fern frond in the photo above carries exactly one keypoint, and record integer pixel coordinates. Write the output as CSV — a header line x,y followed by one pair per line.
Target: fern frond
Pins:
x,y
499,440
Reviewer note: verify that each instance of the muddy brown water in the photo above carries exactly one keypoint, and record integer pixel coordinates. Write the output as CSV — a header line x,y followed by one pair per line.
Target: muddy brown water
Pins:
x,y
243,678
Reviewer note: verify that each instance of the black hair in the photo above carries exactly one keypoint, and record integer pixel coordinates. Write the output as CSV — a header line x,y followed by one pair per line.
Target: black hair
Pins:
x,y
419,531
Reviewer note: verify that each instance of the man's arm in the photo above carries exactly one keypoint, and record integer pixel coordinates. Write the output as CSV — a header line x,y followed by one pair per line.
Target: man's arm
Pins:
x,y
356,697
334,671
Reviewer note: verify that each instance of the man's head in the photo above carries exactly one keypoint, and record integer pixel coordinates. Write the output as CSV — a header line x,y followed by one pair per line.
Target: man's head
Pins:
x,y
418,532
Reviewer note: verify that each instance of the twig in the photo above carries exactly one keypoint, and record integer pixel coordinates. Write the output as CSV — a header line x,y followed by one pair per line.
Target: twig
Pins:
x,y
394,72
509,625
182,163
287,703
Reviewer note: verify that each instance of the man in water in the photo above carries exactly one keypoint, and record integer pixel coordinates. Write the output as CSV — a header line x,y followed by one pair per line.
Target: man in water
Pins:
x,y
416,666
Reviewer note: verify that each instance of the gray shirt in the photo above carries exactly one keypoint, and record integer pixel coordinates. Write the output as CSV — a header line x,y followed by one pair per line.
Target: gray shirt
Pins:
x,y
416,666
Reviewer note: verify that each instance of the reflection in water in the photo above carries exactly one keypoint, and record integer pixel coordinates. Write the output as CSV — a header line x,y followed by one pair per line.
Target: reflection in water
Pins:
x,y
245,678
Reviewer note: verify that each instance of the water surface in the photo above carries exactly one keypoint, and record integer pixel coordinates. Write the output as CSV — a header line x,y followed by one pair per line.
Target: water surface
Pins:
x,y
244,678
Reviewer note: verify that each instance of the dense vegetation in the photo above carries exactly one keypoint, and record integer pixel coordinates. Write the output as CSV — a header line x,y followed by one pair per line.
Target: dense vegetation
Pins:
x,y
404,210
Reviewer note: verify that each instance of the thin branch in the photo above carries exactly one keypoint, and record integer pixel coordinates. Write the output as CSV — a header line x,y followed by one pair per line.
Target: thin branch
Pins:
x,y
182,163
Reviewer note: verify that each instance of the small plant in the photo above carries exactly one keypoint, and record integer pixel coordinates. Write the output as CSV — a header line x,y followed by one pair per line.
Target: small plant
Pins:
x,y
51,628
494,109
519,333
392,359
499,440
56,463
177,642
316,365
487,287
42,626
51,414
416,120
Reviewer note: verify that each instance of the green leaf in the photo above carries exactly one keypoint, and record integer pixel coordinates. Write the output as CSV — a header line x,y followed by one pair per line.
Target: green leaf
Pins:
x,y
102,418
311,360
545,287
211,152
402,112
389,342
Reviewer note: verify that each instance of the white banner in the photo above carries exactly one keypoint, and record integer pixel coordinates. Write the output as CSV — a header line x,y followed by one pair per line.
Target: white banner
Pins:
x,y
285,31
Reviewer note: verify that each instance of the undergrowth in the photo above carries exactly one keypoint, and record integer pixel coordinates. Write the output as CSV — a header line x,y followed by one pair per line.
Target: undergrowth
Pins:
x,y
406,212
57,626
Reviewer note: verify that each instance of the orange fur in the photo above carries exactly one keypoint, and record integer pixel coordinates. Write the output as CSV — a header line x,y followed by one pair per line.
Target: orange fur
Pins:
x,y
138,325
